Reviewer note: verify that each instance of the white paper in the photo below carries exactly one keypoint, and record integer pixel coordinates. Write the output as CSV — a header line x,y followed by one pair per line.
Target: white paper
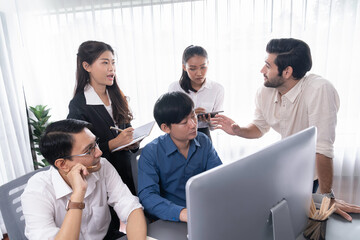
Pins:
x,y
139,134
150,238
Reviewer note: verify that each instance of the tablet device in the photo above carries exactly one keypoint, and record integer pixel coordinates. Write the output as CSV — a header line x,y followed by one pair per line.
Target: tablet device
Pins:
x,y
139,134
212,114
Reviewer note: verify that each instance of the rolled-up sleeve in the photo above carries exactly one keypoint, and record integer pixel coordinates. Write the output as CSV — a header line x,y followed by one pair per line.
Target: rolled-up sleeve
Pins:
x,y
149,189
38,210
259,118
323,108
119,195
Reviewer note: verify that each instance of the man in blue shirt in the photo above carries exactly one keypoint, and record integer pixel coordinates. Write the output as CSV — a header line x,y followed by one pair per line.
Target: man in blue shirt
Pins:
x,y
170,160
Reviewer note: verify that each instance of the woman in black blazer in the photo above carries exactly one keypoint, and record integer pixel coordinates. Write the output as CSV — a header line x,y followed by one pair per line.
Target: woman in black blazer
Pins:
x,y
99,101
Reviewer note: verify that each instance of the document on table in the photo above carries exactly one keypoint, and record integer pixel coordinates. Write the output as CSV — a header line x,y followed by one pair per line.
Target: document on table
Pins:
x,y
139,134
150,238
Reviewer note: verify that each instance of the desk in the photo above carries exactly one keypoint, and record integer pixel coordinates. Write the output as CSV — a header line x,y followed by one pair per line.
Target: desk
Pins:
x,y
337,228
166,230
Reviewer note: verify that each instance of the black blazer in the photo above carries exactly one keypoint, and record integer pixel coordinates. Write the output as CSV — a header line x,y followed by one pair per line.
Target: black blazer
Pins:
x,y
101,121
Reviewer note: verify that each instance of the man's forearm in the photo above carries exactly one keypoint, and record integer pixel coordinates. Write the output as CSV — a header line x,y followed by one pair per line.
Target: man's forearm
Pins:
x,y
70,228
155,204
324,167
161,208
136,226
250,131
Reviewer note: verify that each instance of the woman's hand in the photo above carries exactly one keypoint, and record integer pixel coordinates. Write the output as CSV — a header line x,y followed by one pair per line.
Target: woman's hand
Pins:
x,y
202,118
133,146
125,136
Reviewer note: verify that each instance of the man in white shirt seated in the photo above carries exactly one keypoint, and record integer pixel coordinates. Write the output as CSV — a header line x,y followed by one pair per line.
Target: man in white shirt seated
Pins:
x,y
70,200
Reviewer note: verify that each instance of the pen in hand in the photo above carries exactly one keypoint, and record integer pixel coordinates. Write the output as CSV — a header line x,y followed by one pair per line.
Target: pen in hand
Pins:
x,y
115,128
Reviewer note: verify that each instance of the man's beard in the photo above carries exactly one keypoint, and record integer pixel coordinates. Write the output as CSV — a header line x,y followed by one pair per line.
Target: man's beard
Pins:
x,y
274,82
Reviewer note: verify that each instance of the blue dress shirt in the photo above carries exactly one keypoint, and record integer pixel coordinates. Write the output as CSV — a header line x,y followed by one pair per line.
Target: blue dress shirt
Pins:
x,y
163,173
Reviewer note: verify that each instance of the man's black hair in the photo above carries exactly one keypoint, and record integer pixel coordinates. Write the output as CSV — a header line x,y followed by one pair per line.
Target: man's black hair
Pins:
x,y
57,140
172,108
291,52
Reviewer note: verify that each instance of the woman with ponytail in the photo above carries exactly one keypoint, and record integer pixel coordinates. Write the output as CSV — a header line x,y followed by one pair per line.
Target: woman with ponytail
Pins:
x,y
208,96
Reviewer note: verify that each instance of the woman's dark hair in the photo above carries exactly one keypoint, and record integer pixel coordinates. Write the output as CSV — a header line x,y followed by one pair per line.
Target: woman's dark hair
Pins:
x,y
88,52
291,52
172,108
57,140
189,52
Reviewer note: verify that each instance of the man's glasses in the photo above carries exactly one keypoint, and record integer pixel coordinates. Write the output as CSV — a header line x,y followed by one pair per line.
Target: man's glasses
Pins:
x,y
90,152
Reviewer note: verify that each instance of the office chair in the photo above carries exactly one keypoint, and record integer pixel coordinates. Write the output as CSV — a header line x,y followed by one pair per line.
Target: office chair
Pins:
x,y
10,205
134,167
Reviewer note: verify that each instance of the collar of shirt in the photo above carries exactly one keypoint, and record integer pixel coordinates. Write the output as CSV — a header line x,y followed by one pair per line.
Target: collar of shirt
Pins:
x,y
62,188
91,96
292,94
207,85
171,147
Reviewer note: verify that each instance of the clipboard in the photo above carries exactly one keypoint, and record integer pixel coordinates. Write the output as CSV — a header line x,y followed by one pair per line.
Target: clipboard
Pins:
x,y
139,134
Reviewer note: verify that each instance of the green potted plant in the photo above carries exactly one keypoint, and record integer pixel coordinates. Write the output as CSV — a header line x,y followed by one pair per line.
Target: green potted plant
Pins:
x,y
37,127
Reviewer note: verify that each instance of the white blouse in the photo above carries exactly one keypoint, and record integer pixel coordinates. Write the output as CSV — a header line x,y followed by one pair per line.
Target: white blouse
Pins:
x,y
210,96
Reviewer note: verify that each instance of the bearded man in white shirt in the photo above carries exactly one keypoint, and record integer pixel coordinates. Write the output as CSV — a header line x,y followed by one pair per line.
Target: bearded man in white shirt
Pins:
x,y
70,200
291,101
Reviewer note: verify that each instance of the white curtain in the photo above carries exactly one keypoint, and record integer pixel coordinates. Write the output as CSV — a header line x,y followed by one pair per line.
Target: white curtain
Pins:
x,y
15,153
150,36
